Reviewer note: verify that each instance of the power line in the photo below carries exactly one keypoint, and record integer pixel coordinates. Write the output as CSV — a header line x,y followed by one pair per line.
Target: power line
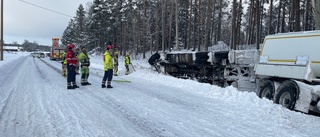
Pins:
x,y
46,8
1,30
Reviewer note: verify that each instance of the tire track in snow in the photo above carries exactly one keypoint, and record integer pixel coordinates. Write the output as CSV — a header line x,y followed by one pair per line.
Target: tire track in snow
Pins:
x,y
7,78
163,97
44,102
148,127
30,95
71,119
7,73
145,125
5,108
53,67
186,105
131,116
11,119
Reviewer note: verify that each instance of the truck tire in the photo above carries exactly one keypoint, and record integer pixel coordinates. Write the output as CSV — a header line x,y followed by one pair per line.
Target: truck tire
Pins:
x,y
287,94
266,89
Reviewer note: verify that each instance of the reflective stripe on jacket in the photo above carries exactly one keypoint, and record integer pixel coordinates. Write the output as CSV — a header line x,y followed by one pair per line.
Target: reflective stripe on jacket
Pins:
x,y
116,60
84,59
63,58
71,58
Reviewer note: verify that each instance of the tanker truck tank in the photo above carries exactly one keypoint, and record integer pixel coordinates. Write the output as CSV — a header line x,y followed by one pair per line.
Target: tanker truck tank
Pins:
x,y
291,55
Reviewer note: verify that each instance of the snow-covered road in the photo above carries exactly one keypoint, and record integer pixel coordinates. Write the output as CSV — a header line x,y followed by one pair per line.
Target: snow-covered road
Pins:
x,y
34,101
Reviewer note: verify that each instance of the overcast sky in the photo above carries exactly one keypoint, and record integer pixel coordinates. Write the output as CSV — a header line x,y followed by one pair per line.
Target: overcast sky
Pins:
x,y
24,21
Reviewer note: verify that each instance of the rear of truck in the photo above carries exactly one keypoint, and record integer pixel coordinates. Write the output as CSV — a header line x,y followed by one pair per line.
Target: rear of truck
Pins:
x,y
56,51
289,70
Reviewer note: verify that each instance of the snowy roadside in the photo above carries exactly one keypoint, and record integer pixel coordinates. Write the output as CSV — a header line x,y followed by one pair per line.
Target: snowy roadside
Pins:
x,y
35,102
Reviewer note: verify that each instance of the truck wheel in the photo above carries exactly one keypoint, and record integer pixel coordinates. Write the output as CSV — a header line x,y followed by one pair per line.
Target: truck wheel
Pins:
x,y
266,89
287,94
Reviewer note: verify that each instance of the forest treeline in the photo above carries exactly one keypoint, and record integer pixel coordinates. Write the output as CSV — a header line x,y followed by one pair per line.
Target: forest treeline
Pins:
x,y
161,25
29,46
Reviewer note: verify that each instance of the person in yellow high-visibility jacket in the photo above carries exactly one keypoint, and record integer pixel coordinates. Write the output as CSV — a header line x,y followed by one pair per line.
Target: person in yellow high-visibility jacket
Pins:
x,y
116,63
64,64
108,68
84,60
76,51
127,62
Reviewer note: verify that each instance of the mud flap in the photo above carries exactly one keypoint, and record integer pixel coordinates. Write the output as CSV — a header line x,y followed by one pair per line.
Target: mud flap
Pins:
x,y
304,98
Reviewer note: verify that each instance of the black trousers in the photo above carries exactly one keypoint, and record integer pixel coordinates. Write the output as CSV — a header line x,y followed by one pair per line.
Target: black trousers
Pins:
x,y
71,74
108,75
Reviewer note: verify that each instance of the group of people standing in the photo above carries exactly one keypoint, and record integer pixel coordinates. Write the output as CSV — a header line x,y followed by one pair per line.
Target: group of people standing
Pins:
x,y
72,59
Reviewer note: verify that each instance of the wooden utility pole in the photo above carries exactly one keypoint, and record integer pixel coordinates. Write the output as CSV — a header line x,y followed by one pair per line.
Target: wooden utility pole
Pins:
x,y
1,32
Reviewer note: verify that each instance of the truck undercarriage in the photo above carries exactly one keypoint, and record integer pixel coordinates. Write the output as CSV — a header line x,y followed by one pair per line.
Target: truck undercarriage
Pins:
x,y
236,68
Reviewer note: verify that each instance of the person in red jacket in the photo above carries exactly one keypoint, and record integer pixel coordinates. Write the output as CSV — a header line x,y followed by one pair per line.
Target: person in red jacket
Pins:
x,y
71,67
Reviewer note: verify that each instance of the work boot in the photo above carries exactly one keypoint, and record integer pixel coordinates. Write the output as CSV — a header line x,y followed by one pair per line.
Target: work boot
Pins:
x,y
109,86
87,83
83,84
103,86
75,86
70,87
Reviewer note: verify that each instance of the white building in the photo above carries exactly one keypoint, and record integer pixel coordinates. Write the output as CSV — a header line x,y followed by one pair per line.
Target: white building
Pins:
x,y
12,48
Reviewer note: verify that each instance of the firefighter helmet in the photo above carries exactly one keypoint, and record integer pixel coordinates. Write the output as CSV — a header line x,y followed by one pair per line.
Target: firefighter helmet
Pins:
x,y
71,46
109,47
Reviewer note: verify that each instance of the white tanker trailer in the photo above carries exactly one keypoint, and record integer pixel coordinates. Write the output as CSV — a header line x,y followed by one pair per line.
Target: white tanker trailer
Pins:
x,y
288,70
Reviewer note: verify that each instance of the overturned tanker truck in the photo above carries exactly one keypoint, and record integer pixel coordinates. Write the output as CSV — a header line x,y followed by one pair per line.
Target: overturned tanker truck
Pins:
x,y
286,70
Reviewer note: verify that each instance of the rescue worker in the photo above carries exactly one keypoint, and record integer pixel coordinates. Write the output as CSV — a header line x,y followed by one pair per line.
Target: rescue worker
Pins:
x,y
84,61
127,62
76,51
71,67
116,64
108,68
153,61
64,63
